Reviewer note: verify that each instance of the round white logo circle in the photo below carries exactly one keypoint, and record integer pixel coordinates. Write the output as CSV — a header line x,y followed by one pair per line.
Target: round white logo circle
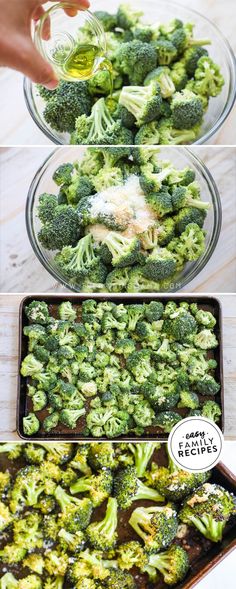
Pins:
x,y
195,444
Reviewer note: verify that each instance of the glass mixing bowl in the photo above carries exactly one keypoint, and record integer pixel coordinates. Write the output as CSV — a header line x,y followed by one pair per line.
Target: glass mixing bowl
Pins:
x,y
163,11
181,157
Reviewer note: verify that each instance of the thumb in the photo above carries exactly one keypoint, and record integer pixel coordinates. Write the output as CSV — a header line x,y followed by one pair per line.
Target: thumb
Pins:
x,y
32,65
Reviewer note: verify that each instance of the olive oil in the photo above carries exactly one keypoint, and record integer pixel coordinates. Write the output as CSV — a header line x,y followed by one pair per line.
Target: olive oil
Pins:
x,y
85,61
80,64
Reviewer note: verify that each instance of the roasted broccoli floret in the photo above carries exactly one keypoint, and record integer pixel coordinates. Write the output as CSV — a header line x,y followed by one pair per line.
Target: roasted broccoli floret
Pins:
x,y
208,509
131,554
129,488
98,487
102,535
157,526
76,513
174,482
173,565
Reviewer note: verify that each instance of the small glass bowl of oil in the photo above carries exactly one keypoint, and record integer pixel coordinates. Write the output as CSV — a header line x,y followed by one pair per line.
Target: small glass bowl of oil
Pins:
x,y
74,45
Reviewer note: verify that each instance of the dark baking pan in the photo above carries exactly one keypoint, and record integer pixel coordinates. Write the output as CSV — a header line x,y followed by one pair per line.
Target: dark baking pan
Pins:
x,y
63,433
203,554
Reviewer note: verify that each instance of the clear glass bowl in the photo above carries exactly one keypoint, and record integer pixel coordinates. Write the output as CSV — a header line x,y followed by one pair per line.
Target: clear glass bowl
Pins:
x,y
60,46
180,157
163,11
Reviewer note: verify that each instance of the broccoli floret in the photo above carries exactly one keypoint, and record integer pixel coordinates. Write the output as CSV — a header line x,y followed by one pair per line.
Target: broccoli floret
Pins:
x,y
190,245
79,261
124,250
171,136
173,564
182,197
191,58
39,400
188,399
162,75
71,541
179,75
157,526
173,482
142,455
65,104
100,83
76,513
187,109
119,579
117,280
187,216
143,33
36,334
136,60
66,311
180,325
51,421
166,51
99,487
80,187
211,410
154,311
209,80
207,385
109,21
208,509
100,128
151,181
166,420
128,488
144,102
148,134
37,312
31,424
160,264
139,364
205,318
206,340
46,207
126,17
62,175
138,283
62,230
102,535
161,397
109,176
69,417
56,583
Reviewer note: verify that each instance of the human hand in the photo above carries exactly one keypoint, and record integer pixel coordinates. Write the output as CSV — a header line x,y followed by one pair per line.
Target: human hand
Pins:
x,y
17,50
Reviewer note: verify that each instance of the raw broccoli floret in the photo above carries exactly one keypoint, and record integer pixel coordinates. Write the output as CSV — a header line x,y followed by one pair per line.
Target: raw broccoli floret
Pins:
x,y
100,83
161,397
181,325
191,58
190,245
31,424
51,421
62,230
65,104
69,417
171,136
102,535
66,311
136,60
100,128
179,75
109,21
139,363
157,526
144,102
154,311
46,207
166,420
160,264
208,509
205,340
183,197
187,109
209,80
207,385
39,400
188,399
166,51
148,134
62,175
124,250
117,280
211,410
151,181
138,283
187,216
173,565
142,33
37,312
109,176
126,17
162,75
79,261
205,318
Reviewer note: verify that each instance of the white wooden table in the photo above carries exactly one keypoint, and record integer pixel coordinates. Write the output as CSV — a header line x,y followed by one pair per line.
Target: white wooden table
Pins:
x,y
9,313
21,271
16,125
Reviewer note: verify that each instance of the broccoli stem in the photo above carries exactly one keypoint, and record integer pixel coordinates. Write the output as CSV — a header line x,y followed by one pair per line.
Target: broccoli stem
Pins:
x,y
210,528
109,524
142,453
199,42
145,492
